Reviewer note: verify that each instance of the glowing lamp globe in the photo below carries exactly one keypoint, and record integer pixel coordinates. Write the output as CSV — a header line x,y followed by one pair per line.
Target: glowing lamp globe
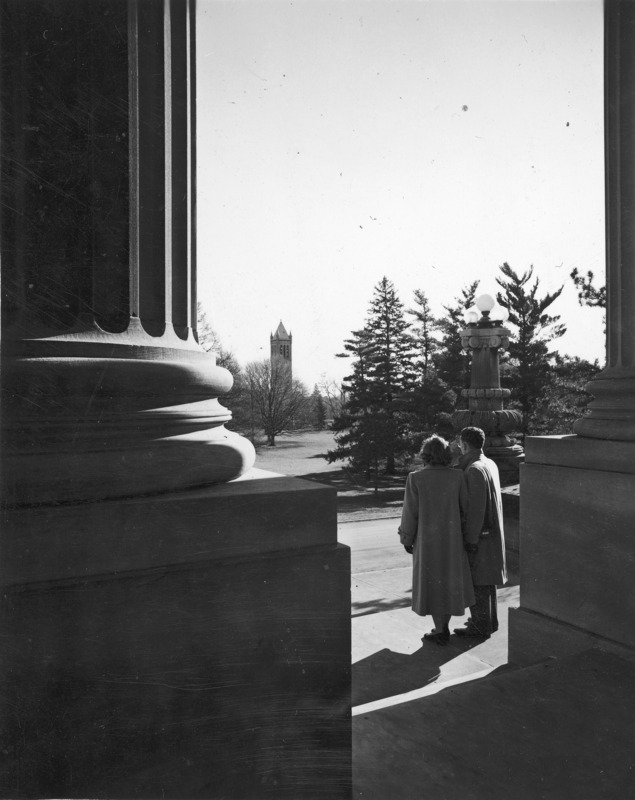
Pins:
x,y
471,316
485,303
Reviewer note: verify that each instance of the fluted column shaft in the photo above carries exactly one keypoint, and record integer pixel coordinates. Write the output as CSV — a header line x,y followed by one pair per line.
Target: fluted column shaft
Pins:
x,y
612,411
106,391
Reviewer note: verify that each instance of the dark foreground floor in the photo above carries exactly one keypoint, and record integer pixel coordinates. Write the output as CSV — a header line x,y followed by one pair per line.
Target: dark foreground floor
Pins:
x,y
560,730
459,723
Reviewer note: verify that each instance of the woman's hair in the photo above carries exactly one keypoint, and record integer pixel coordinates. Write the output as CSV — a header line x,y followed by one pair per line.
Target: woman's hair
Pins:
x,y
436,451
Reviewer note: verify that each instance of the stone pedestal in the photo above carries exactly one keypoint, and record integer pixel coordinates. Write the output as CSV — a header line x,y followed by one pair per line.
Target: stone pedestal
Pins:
x,y
485,397
577,554
189,645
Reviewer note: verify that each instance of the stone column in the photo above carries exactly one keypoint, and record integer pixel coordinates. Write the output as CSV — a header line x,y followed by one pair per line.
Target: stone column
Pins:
x,y
107,392
577,492
612,411
167,631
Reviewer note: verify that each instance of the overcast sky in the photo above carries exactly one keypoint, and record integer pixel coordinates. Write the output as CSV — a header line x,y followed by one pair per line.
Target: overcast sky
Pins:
x,y
426,141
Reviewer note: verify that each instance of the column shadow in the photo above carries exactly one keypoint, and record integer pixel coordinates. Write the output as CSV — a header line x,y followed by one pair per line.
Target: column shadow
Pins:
x,y
387,673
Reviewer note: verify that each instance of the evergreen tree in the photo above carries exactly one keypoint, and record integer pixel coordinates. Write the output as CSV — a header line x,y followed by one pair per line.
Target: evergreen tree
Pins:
x,y
352,430
318,410
432,402
588,293
425,342
529,352
372,429
452,362
564,399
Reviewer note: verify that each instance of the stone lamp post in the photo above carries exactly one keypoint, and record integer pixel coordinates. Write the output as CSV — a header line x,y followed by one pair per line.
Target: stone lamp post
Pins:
x,y
485,337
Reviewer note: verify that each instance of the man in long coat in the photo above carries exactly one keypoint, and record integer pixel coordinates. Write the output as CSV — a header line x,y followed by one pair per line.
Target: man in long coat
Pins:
x,y
483,533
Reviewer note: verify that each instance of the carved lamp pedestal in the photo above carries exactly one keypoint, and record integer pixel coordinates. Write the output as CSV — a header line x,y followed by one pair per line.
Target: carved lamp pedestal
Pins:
x,y
485,338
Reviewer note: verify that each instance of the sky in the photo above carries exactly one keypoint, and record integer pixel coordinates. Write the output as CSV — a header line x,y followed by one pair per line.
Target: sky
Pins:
x,y
426,141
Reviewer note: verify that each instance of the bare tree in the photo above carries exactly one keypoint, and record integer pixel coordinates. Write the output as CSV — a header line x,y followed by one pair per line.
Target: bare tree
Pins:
x,y
276,397
333,394
211,343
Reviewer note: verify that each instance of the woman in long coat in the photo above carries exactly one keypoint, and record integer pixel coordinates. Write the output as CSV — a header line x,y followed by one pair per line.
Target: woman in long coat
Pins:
x,y
434,503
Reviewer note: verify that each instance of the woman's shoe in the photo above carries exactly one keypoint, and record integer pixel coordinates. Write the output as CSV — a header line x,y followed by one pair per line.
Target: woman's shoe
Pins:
x,y
438,637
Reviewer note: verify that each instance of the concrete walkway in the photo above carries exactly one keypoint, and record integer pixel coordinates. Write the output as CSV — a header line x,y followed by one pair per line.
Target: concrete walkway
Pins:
x,y
459,723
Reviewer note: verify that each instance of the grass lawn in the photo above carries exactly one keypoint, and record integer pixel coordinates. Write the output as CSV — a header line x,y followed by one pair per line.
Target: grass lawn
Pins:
x,y
300,454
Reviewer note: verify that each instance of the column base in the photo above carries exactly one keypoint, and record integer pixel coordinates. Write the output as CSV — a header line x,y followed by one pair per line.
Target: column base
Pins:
x,y
93,420
612,410
153,466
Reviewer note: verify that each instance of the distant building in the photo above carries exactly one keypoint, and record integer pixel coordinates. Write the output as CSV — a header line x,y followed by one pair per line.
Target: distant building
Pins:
x,y
281,344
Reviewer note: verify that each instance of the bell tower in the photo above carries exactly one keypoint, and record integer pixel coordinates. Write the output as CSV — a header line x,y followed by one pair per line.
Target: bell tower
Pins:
x,y
281,342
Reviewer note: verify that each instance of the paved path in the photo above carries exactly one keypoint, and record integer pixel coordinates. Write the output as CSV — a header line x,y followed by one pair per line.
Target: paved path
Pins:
x,y
390,662
455,722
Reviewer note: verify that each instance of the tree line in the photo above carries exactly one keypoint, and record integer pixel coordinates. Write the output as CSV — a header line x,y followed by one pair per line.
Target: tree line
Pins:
x,y
408,369
407,372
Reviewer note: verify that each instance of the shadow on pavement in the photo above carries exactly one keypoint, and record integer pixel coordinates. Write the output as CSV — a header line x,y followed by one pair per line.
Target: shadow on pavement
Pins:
x,y
377,606
387,673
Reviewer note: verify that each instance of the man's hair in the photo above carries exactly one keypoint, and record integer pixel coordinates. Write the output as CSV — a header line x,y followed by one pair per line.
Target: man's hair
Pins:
x,y
474,437
436,450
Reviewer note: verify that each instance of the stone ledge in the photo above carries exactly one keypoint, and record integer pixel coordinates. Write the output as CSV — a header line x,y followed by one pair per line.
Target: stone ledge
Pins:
x,y
581,453
197,682
243,518
533,637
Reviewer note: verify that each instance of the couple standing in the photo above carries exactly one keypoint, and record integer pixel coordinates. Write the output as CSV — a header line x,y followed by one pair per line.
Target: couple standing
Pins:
x,y
452,523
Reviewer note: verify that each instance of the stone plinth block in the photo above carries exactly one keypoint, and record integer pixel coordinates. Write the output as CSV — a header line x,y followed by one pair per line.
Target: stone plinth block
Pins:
x,y
576,535
534,637
190,645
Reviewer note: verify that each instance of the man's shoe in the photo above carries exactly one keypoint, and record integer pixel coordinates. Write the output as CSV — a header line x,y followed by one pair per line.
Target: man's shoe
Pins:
x,y
471,631
440,637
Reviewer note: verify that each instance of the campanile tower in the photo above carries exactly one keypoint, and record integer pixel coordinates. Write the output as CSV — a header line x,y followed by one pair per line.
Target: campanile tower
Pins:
x,y
281,344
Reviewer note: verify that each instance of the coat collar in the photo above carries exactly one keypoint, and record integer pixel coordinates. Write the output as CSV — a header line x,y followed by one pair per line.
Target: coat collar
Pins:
x,y
469,458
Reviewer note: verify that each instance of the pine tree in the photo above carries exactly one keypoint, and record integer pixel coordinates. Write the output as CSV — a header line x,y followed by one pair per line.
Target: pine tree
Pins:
x,y
318,410
432,401
529,352
588,293
391,369
564,398
452,362
372,430
425,342
352,431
